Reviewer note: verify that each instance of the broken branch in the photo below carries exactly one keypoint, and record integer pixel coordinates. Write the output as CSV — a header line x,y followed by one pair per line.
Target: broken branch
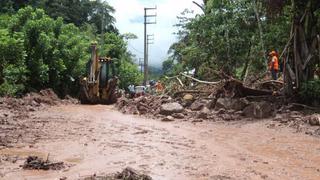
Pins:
x,y
200,81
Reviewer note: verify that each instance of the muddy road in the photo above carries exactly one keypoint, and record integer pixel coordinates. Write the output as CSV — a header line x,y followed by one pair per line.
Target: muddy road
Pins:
x,y
98,140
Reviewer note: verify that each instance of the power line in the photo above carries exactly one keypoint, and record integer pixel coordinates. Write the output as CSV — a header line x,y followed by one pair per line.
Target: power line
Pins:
x,y
135,49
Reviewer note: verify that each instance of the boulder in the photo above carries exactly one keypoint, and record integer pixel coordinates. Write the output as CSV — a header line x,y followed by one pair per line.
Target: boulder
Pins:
x,y
259,110
229,103
223,103
221,111
188,97
239,104
211,104
227,117
314,120
168,119
204,113
178,115
171,108
142,108
198,105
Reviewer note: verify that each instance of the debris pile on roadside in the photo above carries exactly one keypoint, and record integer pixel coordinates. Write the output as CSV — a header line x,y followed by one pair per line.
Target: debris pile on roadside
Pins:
x,y
34,162
32,101
46,97
14,114
127,174
226,100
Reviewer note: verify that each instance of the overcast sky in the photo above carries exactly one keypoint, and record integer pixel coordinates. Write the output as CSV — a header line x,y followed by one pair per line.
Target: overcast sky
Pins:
x,y
129,15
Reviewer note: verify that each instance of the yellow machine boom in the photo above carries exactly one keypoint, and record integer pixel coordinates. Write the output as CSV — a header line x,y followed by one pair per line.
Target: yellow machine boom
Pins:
x,y
100,86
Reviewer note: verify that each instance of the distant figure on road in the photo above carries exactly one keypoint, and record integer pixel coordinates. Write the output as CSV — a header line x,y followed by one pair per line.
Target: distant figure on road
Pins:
x,y
131,91
274,64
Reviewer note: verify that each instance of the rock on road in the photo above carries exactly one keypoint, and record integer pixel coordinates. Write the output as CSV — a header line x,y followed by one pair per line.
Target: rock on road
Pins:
x,y
98,139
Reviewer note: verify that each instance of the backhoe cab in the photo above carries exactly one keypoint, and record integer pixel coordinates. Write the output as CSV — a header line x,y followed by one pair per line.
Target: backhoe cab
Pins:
x,y
100,85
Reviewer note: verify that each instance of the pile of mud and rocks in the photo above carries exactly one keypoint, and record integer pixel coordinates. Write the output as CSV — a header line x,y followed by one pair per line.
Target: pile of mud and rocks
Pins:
x,y
15,114
126,174
37,163
225,104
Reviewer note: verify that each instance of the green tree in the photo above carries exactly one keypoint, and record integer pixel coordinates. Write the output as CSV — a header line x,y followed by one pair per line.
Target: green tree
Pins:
x,y
167,66
12,66
115,46
54,53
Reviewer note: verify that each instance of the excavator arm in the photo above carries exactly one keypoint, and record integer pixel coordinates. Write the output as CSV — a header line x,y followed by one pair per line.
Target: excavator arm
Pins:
x,y
100,87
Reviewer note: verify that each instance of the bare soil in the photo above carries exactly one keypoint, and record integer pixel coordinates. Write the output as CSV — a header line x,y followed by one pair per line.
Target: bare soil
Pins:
x,y
100,140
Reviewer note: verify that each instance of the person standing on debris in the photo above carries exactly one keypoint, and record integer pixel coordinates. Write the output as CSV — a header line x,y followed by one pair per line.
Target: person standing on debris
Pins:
x,y
274,65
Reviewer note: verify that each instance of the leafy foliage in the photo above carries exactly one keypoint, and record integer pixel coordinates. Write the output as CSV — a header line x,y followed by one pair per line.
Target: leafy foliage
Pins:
x,y
115,46
12,68
310,91
227,36
128,74
37,51
78,12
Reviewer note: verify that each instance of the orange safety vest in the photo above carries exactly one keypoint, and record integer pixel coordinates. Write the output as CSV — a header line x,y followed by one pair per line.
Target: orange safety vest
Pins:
x,y
159,87
274,63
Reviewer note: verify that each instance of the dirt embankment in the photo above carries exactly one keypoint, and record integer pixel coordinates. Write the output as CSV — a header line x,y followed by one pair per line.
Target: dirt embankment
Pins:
x,y
16,123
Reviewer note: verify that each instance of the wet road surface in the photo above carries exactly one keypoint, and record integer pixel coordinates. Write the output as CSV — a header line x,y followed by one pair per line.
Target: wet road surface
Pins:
x,y
99,140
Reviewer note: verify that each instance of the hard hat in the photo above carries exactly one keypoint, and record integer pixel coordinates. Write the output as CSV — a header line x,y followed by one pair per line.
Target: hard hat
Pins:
x,y
273,53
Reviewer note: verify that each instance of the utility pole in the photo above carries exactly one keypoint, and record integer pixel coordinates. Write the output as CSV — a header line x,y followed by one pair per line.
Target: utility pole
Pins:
x,y
141,64
146,22
150,40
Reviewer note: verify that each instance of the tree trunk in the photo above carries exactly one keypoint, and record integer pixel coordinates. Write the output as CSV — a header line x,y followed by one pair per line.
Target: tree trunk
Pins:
x,y
247,64
302,56
256,11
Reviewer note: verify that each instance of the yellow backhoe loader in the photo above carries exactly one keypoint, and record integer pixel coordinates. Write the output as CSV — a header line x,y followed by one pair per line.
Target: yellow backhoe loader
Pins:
x,y
100,85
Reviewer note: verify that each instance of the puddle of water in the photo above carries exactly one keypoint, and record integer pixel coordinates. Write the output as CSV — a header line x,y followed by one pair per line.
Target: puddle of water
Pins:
x,y
73,160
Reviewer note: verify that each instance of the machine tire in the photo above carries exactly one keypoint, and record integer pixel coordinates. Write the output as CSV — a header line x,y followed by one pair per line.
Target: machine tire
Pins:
x,y
83,96
103,75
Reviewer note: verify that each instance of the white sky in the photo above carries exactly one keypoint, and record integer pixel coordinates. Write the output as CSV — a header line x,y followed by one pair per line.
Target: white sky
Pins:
x,y
129,15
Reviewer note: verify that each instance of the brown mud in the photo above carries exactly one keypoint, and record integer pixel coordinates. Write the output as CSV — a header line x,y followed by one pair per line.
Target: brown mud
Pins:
x,y
99,140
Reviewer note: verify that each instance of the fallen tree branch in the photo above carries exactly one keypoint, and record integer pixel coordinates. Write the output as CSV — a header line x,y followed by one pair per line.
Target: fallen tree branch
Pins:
x,y
200,81
191,92
235,88
180,81
170,77
298,106
271,81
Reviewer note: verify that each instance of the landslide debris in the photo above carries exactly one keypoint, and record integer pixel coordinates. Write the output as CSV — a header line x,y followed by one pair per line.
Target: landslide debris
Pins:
x,y
226,100
34,162
16,121
127,174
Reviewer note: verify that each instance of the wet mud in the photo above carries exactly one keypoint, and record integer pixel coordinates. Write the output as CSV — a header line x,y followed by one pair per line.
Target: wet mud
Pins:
x,y
99,140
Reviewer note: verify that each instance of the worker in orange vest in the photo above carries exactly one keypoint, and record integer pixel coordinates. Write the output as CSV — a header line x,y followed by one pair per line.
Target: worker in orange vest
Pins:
x,y
274,64
159,87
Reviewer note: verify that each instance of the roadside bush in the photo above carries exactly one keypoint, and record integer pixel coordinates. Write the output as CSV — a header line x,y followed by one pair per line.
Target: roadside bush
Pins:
x,y
12,66
310,92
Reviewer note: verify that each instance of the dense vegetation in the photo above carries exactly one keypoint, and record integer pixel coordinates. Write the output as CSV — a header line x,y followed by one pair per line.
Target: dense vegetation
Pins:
x,y
46,44
235,36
